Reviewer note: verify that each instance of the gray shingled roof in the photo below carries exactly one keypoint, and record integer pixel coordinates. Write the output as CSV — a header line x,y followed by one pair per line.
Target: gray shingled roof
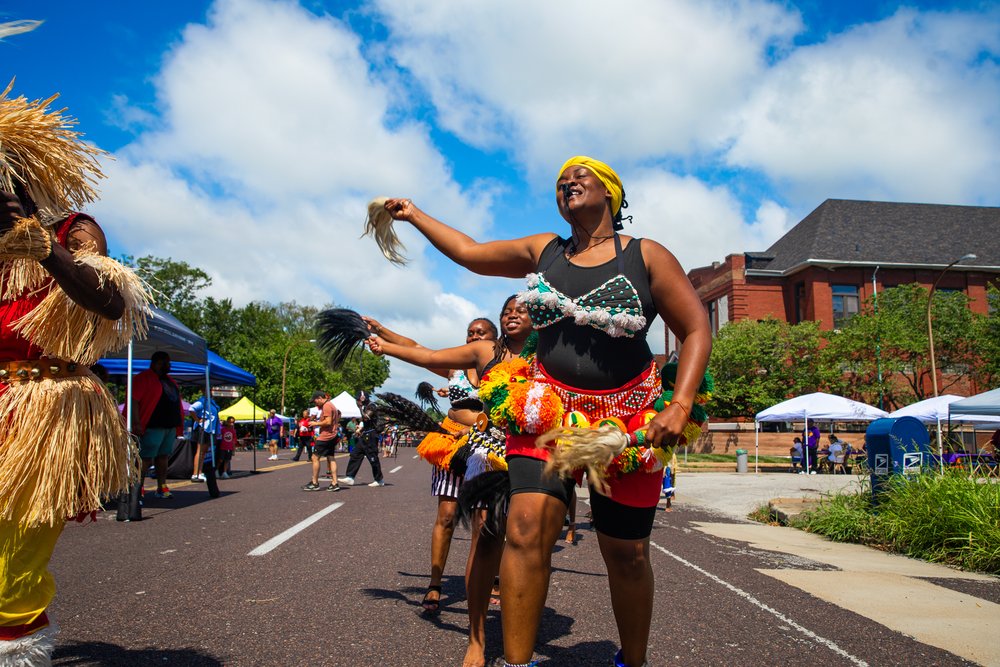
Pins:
x,y
887,233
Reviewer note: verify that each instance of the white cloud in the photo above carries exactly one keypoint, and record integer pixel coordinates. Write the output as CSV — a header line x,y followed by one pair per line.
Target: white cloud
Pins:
x,y
273,136
558,78
698,223
907,108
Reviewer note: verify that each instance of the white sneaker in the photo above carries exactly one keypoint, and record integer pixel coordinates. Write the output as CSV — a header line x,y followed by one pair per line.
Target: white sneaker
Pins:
x,y
348,481
194,478
272,458
377,482
201,478
226,475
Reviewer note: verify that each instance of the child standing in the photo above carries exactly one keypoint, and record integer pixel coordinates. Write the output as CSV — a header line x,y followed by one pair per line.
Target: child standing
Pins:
x,y
226,448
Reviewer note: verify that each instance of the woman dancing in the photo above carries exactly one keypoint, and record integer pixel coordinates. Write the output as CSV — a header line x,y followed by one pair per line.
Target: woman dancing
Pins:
x,y
465,406
592,297
482,355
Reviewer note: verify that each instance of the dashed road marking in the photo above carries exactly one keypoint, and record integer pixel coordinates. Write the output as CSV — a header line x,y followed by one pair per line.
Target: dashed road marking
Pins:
x,y
416,457
281,538
396,469
754,601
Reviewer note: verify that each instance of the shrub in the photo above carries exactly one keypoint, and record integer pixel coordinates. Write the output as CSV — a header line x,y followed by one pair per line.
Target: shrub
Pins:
x,y
946,518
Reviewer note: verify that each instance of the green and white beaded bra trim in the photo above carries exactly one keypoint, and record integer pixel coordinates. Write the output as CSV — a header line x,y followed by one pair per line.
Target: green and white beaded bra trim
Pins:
x,y
613,307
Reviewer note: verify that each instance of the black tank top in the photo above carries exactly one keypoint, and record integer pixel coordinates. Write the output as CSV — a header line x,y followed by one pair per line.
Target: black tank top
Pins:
x,y
582,356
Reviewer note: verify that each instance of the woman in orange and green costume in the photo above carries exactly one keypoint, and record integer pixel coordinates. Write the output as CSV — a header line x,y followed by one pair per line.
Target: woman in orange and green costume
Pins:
x,y
592,297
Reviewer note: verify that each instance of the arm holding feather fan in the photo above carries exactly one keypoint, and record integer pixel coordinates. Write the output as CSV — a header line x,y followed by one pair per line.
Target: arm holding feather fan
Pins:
x,y
512,258
471,355
391,336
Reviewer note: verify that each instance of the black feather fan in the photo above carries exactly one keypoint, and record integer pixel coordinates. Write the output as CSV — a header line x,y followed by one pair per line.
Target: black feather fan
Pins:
x,y
490,490
406,414
427,396
338,332
460,459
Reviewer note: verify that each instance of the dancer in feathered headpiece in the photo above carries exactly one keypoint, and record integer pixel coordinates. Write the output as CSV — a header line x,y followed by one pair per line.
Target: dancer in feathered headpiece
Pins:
x,y
592,297
63,304
474,463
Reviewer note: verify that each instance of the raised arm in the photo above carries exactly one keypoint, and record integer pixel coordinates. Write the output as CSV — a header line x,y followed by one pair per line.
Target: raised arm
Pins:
x,y
387,334
679,306
508,259
471,355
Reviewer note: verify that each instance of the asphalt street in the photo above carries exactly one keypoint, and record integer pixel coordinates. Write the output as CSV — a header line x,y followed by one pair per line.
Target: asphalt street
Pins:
x,y
270,575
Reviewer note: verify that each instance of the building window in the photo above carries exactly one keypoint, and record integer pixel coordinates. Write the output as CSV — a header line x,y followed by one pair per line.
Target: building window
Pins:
x,y
846,303
718,313
800,302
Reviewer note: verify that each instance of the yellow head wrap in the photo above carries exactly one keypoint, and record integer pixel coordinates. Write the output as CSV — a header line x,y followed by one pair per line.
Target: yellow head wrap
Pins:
x,y
605,175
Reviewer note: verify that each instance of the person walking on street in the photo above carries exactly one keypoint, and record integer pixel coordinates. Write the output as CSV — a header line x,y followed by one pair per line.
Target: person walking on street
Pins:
x,y
227,445
305,438
366,446
326,441
272,426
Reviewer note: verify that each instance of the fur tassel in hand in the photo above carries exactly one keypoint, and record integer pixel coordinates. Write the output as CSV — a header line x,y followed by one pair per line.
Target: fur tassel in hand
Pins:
x,y
338,332
427,396
64,448
378,225
490,490
584,448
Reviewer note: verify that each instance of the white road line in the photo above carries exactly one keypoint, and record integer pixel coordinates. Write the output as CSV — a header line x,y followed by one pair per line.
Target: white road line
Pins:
x,y
754,601
281,538
396,469
416,457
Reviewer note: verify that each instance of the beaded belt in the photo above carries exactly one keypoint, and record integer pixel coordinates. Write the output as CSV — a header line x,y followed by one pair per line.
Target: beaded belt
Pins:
x,y
38,369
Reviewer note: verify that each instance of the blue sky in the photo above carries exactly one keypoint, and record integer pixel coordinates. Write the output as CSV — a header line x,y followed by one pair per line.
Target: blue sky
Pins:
x,y
249,134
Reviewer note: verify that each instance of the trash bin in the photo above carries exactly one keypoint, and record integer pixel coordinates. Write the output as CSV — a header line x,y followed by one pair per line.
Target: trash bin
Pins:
x,y
896,446
741,460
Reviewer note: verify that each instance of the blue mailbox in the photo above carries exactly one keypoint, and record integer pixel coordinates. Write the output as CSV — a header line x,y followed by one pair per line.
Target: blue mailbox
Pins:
x,y
896,446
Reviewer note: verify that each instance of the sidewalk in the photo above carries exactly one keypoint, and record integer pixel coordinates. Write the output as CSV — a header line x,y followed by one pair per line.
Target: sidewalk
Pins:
x,y
735,495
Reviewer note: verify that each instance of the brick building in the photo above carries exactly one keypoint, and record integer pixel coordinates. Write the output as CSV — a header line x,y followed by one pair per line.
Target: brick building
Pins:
x,y
825,267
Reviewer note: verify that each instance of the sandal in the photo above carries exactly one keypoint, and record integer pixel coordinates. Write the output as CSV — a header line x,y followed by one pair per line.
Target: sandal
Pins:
x,y
495,593
431,607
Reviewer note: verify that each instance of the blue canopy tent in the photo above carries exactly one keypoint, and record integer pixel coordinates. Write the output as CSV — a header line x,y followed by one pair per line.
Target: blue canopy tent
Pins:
x,y
220,371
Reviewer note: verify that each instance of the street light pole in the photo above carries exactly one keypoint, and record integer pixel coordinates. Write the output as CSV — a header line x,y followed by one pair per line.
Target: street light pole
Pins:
x,y
930,331
284,368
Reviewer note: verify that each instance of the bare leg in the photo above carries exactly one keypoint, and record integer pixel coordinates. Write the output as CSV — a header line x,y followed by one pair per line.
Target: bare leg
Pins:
x,y
533,526
571,530
482,570
198,454
331,465
161,471
630,578
444,529
315,469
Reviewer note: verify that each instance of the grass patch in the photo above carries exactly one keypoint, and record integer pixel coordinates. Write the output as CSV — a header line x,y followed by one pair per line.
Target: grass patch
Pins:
x,y
944,518
763,514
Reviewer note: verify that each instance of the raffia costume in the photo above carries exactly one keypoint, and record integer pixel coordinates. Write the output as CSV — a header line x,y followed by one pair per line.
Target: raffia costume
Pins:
x,y
63,445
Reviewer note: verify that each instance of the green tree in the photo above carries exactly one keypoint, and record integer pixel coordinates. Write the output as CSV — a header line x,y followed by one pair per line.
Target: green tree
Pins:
x,y
892,341
176,286
759,363
986,332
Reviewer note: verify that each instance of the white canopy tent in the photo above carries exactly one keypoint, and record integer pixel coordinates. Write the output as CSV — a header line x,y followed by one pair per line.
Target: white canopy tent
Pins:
x,y
987,403
936,409
347,405
817,407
